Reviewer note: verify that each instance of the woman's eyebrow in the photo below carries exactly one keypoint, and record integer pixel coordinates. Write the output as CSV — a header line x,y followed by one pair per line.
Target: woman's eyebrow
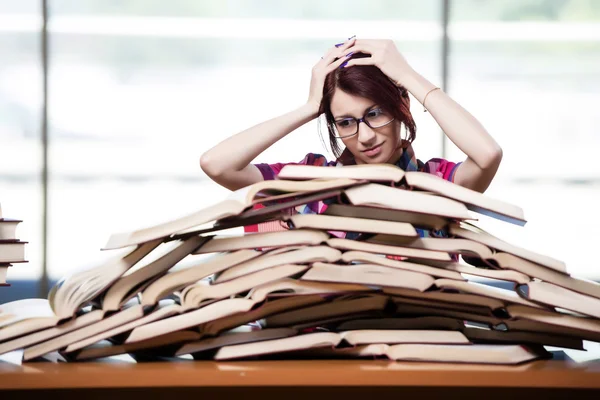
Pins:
x,y
351,116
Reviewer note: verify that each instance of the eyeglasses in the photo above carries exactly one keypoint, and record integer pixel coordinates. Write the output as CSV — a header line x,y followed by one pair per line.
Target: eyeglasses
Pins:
x,y
374,119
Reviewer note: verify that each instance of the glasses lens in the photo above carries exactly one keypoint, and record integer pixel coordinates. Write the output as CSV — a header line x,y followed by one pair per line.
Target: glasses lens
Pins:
x,y
378,117
345,127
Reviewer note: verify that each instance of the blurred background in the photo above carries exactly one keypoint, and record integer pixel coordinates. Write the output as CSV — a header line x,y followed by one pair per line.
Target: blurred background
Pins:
x,y
137,90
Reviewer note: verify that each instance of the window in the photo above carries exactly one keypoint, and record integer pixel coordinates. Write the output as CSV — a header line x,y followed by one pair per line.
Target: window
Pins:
x,y
528,71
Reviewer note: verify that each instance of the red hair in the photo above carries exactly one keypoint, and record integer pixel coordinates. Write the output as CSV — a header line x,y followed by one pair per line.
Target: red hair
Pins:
x,y
369,82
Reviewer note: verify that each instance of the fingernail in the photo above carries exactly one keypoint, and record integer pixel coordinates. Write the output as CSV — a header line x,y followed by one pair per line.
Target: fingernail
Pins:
x,y
339,44
349,54
351,37
342,65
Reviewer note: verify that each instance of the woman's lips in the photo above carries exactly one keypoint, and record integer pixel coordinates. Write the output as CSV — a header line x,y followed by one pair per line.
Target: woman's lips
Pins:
x,y
373,151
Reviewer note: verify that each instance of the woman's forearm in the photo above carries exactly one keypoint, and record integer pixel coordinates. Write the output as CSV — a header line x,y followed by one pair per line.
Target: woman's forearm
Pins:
x,y
462,128
236,152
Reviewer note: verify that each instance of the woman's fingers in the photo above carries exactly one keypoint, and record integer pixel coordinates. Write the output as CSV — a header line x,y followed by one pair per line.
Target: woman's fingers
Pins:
x,y
336,64
366,46
360,61
336,52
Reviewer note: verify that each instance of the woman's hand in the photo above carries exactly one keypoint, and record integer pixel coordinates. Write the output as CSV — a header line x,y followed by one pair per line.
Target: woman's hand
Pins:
x,y
329,62
384,55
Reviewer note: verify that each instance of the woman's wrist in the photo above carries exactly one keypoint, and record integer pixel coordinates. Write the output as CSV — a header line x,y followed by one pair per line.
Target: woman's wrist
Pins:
x,y
416,84
311,109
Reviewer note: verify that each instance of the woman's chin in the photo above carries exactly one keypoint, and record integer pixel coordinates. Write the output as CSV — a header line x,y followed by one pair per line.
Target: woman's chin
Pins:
x,y
378,159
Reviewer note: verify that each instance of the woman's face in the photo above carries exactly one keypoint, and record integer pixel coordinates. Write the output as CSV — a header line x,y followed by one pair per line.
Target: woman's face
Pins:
x,y
369,146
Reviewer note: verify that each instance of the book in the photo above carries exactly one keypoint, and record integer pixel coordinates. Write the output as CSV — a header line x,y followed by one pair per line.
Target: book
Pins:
x,y
48,331
234,204
198,347
416,323
210,312
107,348
12,251
510,262
485,290
353,256
274,210
474,300
333,339
164,309
474,200
263,310
423,181
375,195
586,328
432,222
475,334
178,280
449,245
504,275
25,315
339,306
346,244
403,310
556,296
368,274
300,256
472,232
188,286
8,229
73,292
130,284
263,214
197,295
472,354
348,224
449,306
367,172
63,340
490,336
294,237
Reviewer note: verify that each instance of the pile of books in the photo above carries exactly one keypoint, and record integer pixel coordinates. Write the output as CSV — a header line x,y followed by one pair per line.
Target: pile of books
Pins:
x,y
12,250
355,280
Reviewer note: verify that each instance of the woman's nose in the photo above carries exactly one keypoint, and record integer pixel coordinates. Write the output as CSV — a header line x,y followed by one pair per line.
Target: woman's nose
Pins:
x,y
365,133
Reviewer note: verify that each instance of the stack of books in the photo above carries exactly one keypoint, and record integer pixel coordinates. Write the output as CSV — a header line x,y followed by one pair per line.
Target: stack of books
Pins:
x,y
355,280
12,250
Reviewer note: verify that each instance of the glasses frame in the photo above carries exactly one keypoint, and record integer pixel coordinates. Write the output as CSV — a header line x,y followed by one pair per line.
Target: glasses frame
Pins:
x,y
358,121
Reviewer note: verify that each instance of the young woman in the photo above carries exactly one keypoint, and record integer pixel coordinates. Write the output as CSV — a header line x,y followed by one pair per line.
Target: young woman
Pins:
x,y
362,88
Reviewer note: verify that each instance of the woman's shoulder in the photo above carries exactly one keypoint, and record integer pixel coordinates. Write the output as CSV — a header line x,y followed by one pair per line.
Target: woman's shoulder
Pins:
x,y
441,167
270,171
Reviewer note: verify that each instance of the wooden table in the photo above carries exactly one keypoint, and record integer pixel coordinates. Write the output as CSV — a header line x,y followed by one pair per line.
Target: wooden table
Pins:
x,y
299,379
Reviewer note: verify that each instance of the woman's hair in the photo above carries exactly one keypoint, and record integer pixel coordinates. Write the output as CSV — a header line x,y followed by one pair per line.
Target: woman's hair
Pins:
x,y
366,81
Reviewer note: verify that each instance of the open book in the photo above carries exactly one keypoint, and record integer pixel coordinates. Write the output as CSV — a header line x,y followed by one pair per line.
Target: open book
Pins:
x,y
333,339
474,200
236,203
383,214
473,354
472,232
374,195
67,298
292,237
556,296
368,274
413,347
349,224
